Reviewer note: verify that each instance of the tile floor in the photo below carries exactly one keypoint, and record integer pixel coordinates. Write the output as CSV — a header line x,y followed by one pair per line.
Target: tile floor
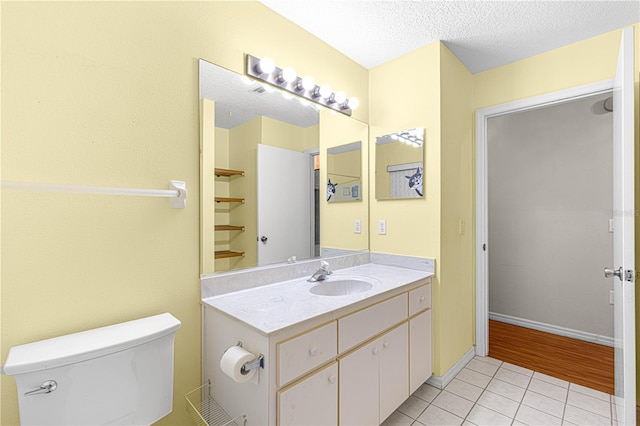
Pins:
x,y
491,392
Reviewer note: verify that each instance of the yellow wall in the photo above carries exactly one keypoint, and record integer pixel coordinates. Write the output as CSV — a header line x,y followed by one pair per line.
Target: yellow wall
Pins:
x,y
106,93
283,135
398,101
456,294
345,167
337,219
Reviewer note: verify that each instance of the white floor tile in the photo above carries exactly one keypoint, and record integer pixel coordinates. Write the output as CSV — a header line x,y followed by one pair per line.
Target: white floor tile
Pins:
x,y
543,403
488,360
591,392
473,377
464,389
512,377
434,416
486,417
589,403
426,392
397,419
584,418
531,416
413,407
507,390
482,367
547,389
550,379
498,403
517,369
453,403
468,423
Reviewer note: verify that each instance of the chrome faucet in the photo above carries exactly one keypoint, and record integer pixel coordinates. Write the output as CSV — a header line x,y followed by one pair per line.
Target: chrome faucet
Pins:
x,y
321,274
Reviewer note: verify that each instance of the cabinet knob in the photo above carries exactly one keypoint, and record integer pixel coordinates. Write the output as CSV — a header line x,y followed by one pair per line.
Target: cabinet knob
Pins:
x,y
313,351
375,351
332,379
421,298
385,344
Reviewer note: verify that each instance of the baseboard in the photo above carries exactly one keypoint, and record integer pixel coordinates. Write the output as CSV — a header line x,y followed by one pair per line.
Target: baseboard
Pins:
x,y
441,382
553,329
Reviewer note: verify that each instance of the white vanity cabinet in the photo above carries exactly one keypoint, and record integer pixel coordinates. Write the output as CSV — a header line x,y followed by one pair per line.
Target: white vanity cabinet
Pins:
x,y
374,379
350,366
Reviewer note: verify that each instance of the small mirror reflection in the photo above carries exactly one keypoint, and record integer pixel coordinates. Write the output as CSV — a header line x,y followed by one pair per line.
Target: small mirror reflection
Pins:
x,y
400,164
344,179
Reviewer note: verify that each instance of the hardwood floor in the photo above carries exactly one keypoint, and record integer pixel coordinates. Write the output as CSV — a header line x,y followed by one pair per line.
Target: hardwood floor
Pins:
x,y
576,361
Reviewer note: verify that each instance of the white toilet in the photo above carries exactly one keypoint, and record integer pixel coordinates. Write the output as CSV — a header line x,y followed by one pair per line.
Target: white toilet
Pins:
x,y
116,375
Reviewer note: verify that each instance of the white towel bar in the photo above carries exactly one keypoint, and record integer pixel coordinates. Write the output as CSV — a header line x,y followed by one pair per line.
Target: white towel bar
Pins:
x,y
177,190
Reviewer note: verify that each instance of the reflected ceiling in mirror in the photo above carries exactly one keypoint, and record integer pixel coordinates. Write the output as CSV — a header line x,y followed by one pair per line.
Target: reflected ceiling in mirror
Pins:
x,y
240,99
344,173
400,164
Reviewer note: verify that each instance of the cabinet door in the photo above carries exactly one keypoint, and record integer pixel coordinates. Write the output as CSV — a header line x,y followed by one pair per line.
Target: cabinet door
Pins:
x,y
311,401
359,384
419,350
394,369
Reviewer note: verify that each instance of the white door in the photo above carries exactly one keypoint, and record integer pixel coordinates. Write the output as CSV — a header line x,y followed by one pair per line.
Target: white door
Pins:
x,y
623,271
284,194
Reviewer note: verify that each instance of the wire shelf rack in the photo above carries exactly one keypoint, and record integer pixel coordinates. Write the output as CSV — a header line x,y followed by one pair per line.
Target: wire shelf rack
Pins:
x,y
205,411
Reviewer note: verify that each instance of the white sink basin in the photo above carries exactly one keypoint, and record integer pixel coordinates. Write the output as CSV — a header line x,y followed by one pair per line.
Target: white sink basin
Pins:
x,y
341,287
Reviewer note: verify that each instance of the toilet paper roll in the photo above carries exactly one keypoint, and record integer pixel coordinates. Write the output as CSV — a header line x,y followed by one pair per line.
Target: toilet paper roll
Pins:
x,y
232,361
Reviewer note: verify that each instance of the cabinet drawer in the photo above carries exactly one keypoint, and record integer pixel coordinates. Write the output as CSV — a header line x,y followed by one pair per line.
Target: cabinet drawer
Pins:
x,y
362,325
419,299
303,353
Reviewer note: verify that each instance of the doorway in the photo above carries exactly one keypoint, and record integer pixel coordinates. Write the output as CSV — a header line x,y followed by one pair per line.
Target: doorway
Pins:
x,y
542,208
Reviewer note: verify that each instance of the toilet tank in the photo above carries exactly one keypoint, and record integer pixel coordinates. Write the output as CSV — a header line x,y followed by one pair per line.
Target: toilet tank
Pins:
x,y
117,375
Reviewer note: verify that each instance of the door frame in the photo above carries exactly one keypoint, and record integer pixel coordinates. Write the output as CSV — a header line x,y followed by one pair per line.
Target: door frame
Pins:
x,y
482,214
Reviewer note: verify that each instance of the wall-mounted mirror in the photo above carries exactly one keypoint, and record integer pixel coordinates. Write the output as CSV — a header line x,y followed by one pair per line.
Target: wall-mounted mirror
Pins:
x,y
400,164
344,173
260,182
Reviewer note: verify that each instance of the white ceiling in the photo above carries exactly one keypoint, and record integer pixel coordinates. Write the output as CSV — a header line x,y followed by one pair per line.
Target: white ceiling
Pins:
x,y
482,34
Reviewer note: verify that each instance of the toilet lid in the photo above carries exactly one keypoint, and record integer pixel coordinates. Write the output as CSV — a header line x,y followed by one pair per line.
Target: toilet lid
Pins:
x,y
77,347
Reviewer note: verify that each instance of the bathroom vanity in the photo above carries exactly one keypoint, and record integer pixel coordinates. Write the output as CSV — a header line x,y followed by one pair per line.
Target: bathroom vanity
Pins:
x,y
331,356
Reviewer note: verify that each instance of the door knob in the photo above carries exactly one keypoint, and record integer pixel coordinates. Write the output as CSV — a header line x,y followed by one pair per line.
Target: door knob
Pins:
x,y
610,273
263,239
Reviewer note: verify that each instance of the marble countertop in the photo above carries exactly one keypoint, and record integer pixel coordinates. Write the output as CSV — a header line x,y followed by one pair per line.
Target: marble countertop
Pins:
x,y
272,308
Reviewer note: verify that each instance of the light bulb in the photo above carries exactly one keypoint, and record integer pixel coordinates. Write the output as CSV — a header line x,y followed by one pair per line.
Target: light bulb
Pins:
x,y
325,91
266,66
289,75
308,83
340,97
354,103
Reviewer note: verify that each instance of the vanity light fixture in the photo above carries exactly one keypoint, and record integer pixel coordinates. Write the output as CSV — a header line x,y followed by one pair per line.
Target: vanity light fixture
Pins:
x,y
287,80
413,137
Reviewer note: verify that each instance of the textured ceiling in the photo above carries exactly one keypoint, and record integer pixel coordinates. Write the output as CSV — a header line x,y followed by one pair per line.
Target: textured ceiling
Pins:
x,y
482,34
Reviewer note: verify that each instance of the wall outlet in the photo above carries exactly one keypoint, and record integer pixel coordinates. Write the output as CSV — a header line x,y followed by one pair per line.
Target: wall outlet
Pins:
x,y
460,226
357,226
382,227
612,297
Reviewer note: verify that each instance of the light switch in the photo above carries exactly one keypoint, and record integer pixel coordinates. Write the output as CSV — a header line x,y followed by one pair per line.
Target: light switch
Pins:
x,y
357,226
382,227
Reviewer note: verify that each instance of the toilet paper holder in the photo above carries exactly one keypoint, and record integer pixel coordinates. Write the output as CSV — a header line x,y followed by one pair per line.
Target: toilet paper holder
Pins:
x,y
251,365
